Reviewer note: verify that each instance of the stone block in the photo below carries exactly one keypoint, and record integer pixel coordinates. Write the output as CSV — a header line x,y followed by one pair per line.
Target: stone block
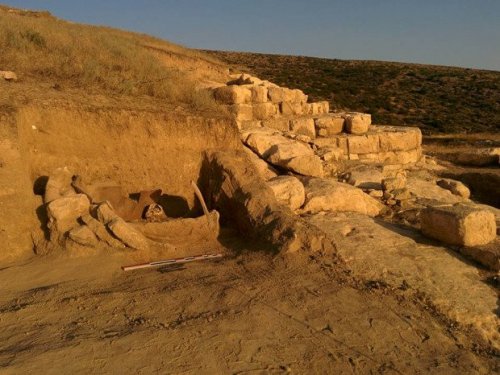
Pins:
x,y
304,126
403,140
58,185
233,94
242,112
306,165
249,124
278,154
394,183
363,144
280,94
128,235
264,111
64,212
330,195
288,190
281,124
459,224
357,123
290,109
299,96
261,143
263,168
82,235
456,187
259,94
329,124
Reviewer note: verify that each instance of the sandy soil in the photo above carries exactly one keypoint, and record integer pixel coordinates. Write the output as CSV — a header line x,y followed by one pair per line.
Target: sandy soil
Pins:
x,y
249,313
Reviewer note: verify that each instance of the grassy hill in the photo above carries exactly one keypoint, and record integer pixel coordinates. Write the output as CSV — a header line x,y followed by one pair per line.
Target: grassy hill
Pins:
x,y
436,98
50,55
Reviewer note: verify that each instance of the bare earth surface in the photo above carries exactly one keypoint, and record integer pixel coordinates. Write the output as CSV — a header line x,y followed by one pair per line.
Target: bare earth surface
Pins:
x,y
245,314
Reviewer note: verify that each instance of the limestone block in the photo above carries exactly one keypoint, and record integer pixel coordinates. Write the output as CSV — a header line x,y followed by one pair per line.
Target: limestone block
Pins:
x,y
278,154
280,94
401,157
394,183
246,133
456,187
306,165
400,140
330,195
263,169
82,235
303,125
8,75
105,213
459,224
244,125
232,94
281,124
101,232
262,143
242,112
357,123
259,94
58,185
330,154
299,96
366,178
329,124
290,109
363,144
127,234
264,111
288,190
64,212
244,79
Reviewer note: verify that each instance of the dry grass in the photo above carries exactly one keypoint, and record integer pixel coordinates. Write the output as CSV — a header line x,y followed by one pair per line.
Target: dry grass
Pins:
x,y
40,47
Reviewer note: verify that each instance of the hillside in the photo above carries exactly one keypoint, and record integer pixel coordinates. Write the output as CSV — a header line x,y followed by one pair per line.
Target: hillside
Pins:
x,y
72,61
435,98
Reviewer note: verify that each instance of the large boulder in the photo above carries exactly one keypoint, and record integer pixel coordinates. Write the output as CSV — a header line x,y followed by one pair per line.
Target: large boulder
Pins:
x,y
63,213
281,152
263,169
306,165
288,190
261,143
459,224
281,94
259,94
363,144
357,123
330,195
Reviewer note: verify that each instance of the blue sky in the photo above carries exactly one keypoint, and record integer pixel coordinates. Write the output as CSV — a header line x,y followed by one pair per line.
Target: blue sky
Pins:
x,y
444,32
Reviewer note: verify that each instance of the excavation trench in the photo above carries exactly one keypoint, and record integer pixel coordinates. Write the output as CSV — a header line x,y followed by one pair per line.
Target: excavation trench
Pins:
x,y
128,152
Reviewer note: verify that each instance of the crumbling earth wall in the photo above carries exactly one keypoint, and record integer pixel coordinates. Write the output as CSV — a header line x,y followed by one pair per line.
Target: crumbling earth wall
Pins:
x,y
138,150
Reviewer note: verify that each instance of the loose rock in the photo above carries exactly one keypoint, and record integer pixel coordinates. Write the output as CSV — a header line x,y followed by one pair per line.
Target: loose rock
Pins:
x,y
288,190
127,234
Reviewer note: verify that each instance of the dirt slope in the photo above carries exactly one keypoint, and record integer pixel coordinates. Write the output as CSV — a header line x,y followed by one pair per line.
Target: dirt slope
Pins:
x,y
250,314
